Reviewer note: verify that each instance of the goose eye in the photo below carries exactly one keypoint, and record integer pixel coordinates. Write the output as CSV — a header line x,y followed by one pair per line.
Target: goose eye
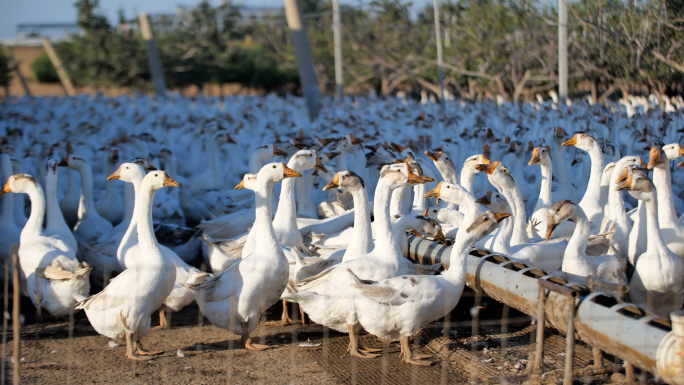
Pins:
x,y
156,175
127,167
274,166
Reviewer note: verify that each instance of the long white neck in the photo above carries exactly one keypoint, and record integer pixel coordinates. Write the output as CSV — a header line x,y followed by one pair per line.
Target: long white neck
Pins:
x,y
655,241
545,189
514,198
470,209
361,242
54,220
457,259
128,204
265,234
286,216
667,216
418,199
34,225
144,218
131,235
560,167
397,200
467,178
7,215
305,200
591,201
86,206
384,240
577,245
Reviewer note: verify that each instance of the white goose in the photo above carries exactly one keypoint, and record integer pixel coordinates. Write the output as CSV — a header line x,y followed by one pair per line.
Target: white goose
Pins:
x,y
54,220
671,229
576,264
90,224
396,308
235,298
49,265
327,297
591,201
122,310
657,280
9,232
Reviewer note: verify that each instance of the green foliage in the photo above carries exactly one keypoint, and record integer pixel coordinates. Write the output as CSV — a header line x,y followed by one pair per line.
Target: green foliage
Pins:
x,y
5,71
43,69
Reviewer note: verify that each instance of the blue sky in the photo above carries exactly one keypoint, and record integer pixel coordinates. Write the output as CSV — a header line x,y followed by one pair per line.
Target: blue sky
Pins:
x,y
13,12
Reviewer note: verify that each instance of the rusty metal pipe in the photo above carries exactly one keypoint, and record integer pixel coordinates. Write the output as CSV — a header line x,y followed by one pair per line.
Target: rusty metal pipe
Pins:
x,y
618,328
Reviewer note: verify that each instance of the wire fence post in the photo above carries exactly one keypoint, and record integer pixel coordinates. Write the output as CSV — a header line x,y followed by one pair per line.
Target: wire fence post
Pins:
x,y
337,38
152,55
440,59
562,51
307,74
16,322
61,72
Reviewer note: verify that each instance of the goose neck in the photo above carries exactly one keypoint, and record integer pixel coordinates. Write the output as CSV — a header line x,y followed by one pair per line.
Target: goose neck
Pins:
x,y
397,200
286,215
662,179
384,240
132,231
467,178
419,198
559,162
593,192
545,189
459,253
86,205
655,242
514,198
34,225
361,242
265,234
54,213
577,245
144,217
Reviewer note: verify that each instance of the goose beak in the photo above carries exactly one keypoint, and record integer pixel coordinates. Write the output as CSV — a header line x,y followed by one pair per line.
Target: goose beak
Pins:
x,y
6,188
536,158
485,200
440,237
64,162
434,193
487,168
413,178
354,140
319,165
335,183
641,163
332,155
427,179
571,142
486,153
501,216
290,173
680,164
549,229
434,156
626,185
623,176
681,152
115,175
425,213
416,233
240,185
278,152
654,158
170,182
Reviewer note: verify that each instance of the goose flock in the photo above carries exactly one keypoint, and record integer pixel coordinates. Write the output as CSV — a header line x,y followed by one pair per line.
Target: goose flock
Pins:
x,y
315,213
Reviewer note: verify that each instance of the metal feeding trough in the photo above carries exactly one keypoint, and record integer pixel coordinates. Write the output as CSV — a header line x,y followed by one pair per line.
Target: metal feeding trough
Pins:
x,y
599,316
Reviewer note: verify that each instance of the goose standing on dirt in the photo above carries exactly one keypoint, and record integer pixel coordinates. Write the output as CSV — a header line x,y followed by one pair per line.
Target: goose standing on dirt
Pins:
x,y
235,298
395,309
122,310
49,265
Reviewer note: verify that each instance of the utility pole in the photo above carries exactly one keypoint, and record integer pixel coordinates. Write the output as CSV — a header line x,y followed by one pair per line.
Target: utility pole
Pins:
x,y
307,74
440,59
337,39
562,51
152,55
61,72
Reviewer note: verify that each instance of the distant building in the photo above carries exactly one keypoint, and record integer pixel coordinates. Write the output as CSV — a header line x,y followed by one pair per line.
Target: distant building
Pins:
x,y
251,14
55,31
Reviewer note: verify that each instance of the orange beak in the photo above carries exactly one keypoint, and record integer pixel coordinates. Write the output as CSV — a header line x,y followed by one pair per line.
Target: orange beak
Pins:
x,y
278,152
335,183
501,216
485,200
6,188
319,165
488,168
571,142
654,158
623,176
626,185
434,193
536,158
434,156
440,237
290,173
240,185
170,182
115,175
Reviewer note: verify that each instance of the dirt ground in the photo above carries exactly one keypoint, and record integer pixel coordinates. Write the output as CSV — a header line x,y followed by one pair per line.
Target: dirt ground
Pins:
x,y
195,352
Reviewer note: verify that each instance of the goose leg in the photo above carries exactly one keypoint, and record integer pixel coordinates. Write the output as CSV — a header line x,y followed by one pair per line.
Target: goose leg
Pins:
x,y
407,356
354,344
247,341
303,315
139,349
362,348
285,319
162,319
131,349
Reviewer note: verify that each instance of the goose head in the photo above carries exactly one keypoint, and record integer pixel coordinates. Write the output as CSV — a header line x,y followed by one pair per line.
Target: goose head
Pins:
x,y
128,172
541,155
51,165
345,180
673,151
400,174
248,181
486,223
306,160
156,180
442,162
268,151
74,162
559,135
345,143
19,183
656,157
560,212
638,185
452,193
421,226
276,172
471,162
498,174
581,140
495,202
441,215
